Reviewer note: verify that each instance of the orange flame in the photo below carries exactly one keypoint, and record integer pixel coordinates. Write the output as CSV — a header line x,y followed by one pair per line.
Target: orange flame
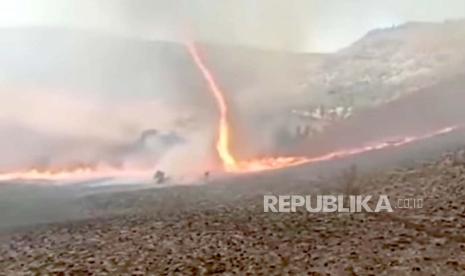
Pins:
x,y
74,173
229,162
223,143
88,172
283,162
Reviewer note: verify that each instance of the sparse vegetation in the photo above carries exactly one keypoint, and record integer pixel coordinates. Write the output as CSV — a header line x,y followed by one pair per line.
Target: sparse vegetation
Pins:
x,y
222,228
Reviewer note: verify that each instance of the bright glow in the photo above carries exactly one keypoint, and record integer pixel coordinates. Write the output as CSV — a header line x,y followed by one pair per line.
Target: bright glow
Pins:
x,y
230,163
76,173
222,144
283,162
87,172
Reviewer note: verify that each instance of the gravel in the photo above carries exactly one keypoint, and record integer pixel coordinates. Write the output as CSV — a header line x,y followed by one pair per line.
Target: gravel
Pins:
x,y
222,229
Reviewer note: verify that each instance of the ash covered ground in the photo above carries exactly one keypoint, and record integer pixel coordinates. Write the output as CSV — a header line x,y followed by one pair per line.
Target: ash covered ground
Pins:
x,y
405,80
221,227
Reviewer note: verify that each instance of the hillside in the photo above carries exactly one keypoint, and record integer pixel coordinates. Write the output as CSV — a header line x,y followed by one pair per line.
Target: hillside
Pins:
x,y
223,228
137,84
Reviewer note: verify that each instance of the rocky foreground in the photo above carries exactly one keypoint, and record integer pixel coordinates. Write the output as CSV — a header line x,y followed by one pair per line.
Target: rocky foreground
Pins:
x,y
222,229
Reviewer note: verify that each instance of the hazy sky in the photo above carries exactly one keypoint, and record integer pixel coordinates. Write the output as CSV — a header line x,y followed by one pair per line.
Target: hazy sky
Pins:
x,y
303,25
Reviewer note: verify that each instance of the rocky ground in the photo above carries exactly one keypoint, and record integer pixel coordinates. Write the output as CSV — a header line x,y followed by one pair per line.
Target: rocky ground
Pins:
x,y
222,229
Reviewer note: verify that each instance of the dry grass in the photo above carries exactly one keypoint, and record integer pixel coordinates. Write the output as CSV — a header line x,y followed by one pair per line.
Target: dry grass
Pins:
x,y
215,232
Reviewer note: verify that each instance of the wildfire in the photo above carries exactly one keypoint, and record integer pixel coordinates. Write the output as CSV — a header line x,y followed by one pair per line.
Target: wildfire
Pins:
x,y
89,172
230,163
283,162
74,173
222,144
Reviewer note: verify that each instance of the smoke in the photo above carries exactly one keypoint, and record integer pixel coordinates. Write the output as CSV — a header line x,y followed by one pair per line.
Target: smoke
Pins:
x,y
57,130
70,96
76,97
296,25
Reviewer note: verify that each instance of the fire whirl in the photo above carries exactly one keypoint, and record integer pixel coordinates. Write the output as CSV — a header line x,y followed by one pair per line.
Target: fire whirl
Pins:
x,y
231,164
88,172
222,144
223,147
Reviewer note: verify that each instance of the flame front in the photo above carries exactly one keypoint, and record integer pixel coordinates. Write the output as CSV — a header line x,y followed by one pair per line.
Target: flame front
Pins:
x,y
76,173
282,162
88,172
230,163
